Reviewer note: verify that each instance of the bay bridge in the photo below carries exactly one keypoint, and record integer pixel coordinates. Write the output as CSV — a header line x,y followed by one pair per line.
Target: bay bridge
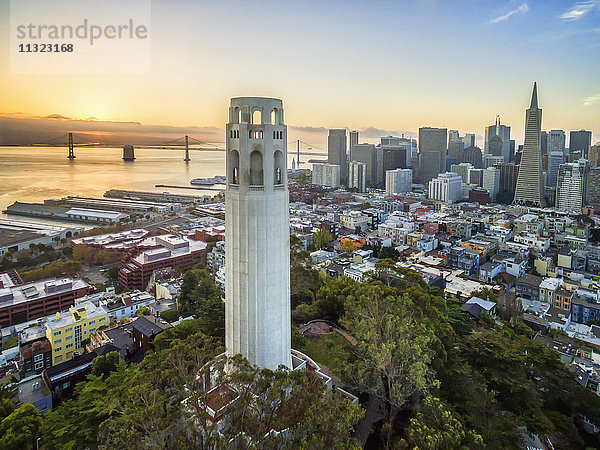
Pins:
x,y
185,143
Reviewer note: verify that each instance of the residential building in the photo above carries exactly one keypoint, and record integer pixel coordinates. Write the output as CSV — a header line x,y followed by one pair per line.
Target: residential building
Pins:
x,y
354,220
548,288
24,302
398,181
145,329
447,187
35,390
570,190
357,176
491,182
432,152
530,186
326,175
68,329
337,154
528,286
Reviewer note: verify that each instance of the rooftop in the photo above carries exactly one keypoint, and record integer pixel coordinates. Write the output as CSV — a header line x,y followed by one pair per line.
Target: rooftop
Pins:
x,y
64,318
39,289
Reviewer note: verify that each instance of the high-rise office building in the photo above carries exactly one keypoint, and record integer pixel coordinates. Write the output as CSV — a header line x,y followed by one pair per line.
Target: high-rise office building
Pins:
x,y
446,187
462,170
366,154
508,180
556,141
555,159
580,142
453,135
497,140
326,175
257,248
398,181
594,155
592,187
432,152
512,151
469,140
357,176
491,182
570,190
472,155
337,154
455,147
353,140
544,142
476,177
530,186
393,153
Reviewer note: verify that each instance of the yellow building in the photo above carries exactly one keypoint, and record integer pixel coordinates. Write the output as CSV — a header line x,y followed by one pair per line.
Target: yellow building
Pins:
x,y
68,329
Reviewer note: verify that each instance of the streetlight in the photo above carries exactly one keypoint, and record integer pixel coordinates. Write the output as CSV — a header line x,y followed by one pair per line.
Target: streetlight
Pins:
x,y
37,443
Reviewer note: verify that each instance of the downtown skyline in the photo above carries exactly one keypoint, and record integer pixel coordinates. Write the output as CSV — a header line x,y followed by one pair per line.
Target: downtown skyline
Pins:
x,y
380,68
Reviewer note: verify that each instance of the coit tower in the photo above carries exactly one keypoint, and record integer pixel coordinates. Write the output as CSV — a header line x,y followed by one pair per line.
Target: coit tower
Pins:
x,y
257,237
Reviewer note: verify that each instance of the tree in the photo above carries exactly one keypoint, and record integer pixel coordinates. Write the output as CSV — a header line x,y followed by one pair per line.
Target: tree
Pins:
x,y
435,427
6,407
103,365
347,247
394,348
211,314
143,311
322,238
20,429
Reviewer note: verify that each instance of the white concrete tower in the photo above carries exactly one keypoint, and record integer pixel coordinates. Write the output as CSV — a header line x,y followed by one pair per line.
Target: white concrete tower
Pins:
x,y
257,238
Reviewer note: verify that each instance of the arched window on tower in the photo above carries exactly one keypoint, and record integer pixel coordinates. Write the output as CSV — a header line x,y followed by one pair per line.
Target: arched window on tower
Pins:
x,y
256,168
257,117
279,167
274,117
234,167
237,115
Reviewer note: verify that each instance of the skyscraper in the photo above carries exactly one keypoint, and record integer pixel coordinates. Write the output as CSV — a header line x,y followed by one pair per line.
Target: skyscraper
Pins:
x,y
469,140
530,186
353,140
570,190
555,159
257,244
497,140
580,141
337,154
432,152
556,141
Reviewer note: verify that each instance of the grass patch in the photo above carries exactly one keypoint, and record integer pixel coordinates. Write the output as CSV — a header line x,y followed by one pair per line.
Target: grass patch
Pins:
x,y
331,350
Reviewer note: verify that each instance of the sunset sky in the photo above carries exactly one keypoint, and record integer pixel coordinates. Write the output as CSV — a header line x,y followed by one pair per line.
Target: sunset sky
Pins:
x,y
386,64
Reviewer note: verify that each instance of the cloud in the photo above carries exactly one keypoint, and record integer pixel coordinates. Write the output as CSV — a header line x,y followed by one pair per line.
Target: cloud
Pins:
x,y
523,8
588,101
578,10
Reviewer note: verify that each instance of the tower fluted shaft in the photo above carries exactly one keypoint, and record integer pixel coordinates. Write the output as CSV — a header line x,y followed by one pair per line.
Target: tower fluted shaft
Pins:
x,y
257,237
